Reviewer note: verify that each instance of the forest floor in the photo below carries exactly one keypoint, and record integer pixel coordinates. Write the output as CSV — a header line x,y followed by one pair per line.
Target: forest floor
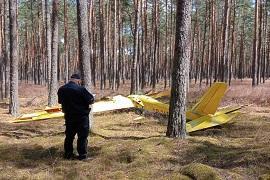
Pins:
x,y
125,145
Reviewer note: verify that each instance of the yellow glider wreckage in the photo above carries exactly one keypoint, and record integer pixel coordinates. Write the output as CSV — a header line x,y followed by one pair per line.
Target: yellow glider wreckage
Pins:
x,y
203,115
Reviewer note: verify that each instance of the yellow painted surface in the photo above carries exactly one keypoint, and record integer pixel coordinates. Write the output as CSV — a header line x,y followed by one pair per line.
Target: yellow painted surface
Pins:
x,y
118,102
208,104
210,121
149,104
40,117
210,101
160,94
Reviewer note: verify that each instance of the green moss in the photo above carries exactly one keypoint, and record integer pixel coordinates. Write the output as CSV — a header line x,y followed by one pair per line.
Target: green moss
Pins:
x,y
141,174
75,174
200,172
126,156
177,176
117,175
265,177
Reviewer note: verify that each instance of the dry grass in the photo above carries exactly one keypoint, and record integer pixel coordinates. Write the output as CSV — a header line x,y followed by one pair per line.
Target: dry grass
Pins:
x,y
122,147
125,145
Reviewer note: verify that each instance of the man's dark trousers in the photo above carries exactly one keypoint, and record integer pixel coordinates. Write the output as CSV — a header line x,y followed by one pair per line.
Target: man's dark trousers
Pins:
x,y
76,125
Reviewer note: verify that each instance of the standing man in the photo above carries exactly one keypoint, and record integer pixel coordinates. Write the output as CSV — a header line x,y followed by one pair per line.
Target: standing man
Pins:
x,y
75,101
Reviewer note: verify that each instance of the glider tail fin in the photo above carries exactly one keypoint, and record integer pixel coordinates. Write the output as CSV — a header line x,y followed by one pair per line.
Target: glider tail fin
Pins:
x,y
210,101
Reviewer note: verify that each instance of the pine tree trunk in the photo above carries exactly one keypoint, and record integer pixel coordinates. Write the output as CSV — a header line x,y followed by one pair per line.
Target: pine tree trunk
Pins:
x,y
134,68
14,58
255,46
101,46
7,50
1,51
48,40
115,54
203,44
66,58
177,113
84,42
233,42
54,59
166,45
259,42
226,30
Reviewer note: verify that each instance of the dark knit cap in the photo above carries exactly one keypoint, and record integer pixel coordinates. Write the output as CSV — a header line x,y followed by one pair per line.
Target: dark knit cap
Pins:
x,y
75,76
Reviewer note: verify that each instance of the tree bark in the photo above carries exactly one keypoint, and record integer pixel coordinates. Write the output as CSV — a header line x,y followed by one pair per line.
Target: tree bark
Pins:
x,y
66,43
226,30
101,45
14,97
134,68
177,113
48,40
255,44
7,50
54,59
83,36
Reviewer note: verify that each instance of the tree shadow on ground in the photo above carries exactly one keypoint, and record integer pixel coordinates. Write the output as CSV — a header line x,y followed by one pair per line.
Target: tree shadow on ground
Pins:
x,y
4,105
28,156
136,138
33,156
226,157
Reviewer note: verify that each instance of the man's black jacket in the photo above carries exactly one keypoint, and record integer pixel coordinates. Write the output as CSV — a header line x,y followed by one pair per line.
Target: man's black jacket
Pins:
x,y
75,99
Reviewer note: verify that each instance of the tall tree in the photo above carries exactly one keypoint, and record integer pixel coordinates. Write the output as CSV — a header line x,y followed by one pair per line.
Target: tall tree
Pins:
x,y
226,30
54,60
101,45
14,58
84,42
7,49
255,43
259,54
177,113
66,58
115,54
1,52
134,69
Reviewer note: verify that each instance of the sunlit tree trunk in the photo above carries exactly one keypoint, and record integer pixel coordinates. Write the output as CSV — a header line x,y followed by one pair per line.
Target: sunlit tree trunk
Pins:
x,y
134,68
7,50
101,46
83,36
54,59
226,30
255,44
48,40
177,113
66,58
14,58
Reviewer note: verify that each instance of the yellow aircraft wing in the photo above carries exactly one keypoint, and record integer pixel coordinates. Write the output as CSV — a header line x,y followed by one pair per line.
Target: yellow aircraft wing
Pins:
x,y
149,104
160,94
43,116
29,116
118,102
212,120
208,104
